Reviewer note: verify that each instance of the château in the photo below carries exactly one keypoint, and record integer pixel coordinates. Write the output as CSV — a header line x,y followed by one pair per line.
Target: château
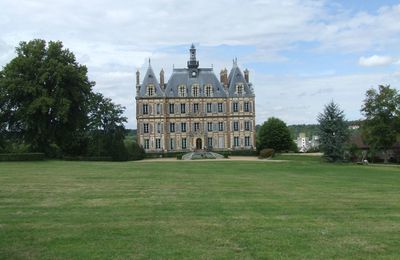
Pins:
x,y
194,110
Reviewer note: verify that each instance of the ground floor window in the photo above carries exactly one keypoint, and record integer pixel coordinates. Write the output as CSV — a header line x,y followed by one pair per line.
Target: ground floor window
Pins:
x,y
158,143
184,143
247,141
172,144
236,141
146,144
209,142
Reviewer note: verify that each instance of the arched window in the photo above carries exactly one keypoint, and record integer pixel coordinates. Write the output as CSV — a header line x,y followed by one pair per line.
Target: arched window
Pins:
x,y
195,90
209,91
239,89
182,91
150,90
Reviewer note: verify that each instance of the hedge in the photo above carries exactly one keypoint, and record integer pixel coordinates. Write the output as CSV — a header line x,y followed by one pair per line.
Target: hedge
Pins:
x,y
7,157
87,158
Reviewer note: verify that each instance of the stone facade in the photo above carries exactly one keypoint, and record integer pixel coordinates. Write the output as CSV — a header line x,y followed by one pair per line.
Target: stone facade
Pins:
x,y
194,110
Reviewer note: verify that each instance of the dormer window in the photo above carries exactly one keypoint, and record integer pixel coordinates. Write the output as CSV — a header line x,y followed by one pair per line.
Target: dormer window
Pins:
x,y
195,90
150,90
182,91
239,89
209,91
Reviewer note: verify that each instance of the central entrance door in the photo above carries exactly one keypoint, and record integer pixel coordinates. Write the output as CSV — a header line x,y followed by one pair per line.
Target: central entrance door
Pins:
x,y
199,145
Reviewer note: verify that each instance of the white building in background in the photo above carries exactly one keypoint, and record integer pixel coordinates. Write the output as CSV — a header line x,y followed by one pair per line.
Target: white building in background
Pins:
x,y
305,143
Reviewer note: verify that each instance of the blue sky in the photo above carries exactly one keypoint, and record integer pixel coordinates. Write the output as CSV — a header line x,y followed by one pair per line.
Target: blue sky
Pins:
x,y
301,54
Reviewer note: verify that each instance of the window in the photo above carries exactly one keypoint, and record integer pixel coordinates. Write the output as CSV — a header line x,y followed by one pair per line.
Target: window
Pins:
x,y
158,143
239,89
184,143
235,107
145,109
171,108
209,91
146,144
247,125
196,127
145,128
235,126
159,128
195,107
247,141
209,142
158,109
172,143
220,108
150,90
172,127
183,127
209,126
195,90
183,108
209,107
236,141
246,107
221,126
182,91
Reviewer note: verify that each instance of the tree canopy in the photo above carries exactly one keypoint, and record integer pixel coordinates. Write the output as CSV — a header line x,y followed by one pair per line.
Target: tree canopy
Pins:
x,y
47,103
274,134
333,132
45,93
382,118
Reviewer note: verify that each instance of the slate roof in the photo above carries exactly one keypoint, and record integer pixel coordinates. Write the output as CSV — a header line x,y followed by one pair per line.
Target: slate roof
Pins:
x,y
183,77
204,76
236,77
150,79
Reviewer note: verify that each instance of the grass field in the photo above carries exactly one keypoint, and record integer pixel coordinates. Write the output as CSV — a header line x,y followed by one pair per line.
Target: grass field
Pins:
x,y
211,209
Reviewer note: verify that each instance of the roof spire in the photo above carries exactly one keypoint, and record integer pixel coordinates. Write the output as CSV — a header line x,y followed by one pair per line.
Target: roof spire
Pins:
x,y
149,62
193,63
235,62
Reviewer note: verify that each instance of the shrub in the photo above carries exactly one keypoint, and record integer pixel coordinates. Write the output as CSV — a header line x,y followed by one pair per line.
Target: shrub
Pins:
x,y
87,158
243,153
118,151
266,153
135,151
53,151
22,157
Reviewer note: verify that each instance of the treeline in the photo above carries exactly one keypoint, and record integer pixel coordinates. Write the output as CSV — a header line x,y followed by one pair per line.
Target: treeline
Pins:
x,y
47,105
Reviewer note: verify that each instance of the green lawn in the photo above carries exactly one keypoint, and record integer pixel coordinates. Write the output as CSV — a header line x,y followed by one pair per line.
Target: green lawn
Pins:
x,y
210,209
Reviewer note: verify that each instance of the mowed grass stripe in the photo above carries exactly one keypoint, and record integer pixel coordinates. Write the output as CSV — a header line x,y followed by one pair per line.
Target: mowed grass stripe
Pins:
x,y
206,209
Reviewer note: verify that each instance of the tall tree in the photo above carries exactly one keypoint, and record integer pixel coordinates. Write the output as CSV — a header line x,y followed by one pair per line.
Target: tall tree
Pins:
x,y
44,95
382,118
333,132
106,128
274,134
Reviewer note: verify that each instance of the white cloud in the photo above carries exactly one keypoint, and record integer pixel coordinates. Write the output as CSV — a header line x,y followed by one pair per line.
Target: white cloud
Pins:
x,y
115,38
375,60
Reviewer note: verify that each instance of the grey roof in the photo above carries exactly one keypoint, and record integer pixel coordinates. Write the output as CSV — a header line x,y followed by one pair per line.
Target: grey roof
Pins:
x,y
204,77
150,79
236,77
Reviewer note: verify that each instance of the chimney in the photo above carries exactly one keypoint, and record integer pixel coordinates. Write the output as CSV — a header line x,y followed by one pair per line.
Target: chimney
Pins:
x,y
162,79
137,78
246,75
224,77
